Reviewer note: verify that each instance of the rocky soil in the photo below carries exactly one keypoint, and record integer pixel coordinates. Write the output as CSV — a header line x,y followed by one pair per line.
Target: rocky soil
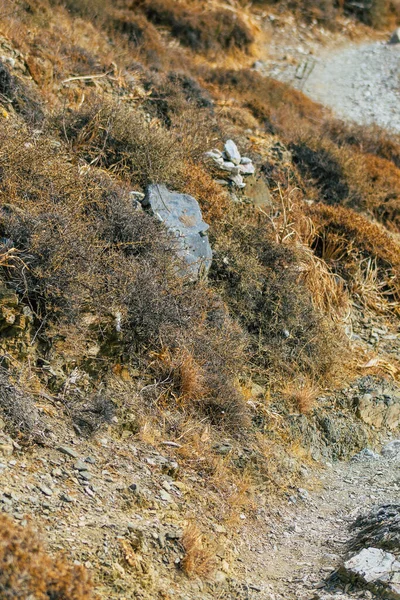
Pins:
x,y
308,539
359,83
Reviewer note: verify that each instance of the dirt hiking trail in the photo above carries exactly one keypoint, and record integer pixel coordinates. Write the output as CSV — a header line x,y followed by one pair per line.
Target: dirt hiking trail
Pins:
x,y
308,540
359,83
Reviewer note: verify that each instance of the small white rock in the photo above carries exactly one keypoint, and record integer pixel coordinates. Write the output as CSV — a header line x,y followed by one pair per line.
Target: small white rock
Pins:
x,y
229,166
247,169
232,152
245,160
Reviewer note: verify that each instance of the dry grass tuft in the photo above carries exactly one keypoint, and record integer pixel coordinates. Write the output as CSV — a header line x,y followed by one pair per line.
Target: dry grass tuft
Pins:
x,y
19,411
201,28
199,560
301,394
27,571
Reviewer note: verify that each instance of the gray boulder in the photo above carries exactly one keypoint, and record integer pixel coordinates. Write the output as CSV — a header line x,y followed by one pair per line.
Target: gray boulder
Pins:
x,y
395,39
181,214
376,569
365,455
379,528
392,450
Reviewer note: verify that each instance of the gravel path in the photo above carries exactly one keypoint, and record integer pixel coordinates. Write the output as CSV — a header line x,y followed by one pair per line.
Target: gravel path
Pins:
x,y
310,541
359,83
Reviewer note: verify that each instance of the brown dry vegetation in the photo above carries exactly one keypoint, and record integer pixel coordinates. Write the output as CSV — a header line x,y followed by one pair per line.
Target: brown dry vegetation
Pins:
x,y
198,560
27,571
82,258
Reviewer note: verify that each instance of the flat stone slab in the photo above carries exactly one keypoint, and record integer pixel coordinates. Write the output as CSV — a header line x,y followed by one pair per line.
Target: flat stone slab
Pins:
x,y
376,569
181,214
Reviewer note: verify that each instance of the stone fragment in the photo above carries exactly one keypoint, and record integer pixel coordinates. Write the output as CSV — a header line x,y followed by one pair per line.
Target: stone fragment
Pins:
x,y
247,169
379,411
68,451
378,570
365,455
182,216
392,449
245,160
258,191
232,152
379,528
45,490
164,495
66,498
6,445
230,167
80,465
238,181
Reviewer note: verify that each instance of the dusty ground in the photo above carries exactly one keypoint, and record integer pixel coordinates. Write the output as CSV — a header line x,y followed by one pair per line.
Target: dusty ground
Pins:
x,y
347,71
308,542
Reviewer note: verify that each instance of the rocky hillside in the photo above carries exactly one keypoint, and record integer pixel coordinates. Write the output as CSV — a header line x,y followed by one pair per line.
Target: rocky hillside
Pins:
x,y
199,288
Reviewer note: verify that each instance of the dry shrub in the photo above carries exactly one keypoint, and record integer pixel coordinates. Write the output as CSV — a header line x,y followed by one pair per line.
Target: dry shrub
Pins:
x,y
368,139
199,560
273,103
199,27
348,242
345,176
321,165
24,99
302,394
19,411
27,571
377,182
121,140
84,249
262,282
140,33
376,13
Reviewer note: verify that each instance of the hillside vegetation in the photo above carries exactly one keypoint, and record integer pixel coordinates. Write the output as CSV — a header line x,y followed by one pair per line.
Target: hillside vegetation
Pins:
x,y
100,99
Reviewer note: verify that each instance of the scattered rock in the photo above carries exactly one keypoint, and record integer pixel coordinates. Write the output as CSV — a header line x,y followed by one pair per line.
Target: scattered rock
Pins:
x,y
6,445
376,569
258,191
392,449
66,498
247,169
380,528
182,216
379,411
45,490
232,152
68,451
365,455
231,161
80,465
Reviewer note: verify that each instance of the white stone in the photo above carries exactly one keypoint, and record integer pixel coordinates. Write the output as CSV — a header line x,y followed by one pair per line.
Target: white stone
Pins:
x,y
229,166
238,181
392,449
232,152
245,160
376,568
246,169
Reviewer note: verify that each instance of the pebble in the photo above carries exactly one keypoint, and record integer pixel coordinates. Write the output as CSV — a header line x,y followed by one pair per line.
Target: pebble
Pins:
x,y
68,451
232,152
66,498
45,490
80,465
